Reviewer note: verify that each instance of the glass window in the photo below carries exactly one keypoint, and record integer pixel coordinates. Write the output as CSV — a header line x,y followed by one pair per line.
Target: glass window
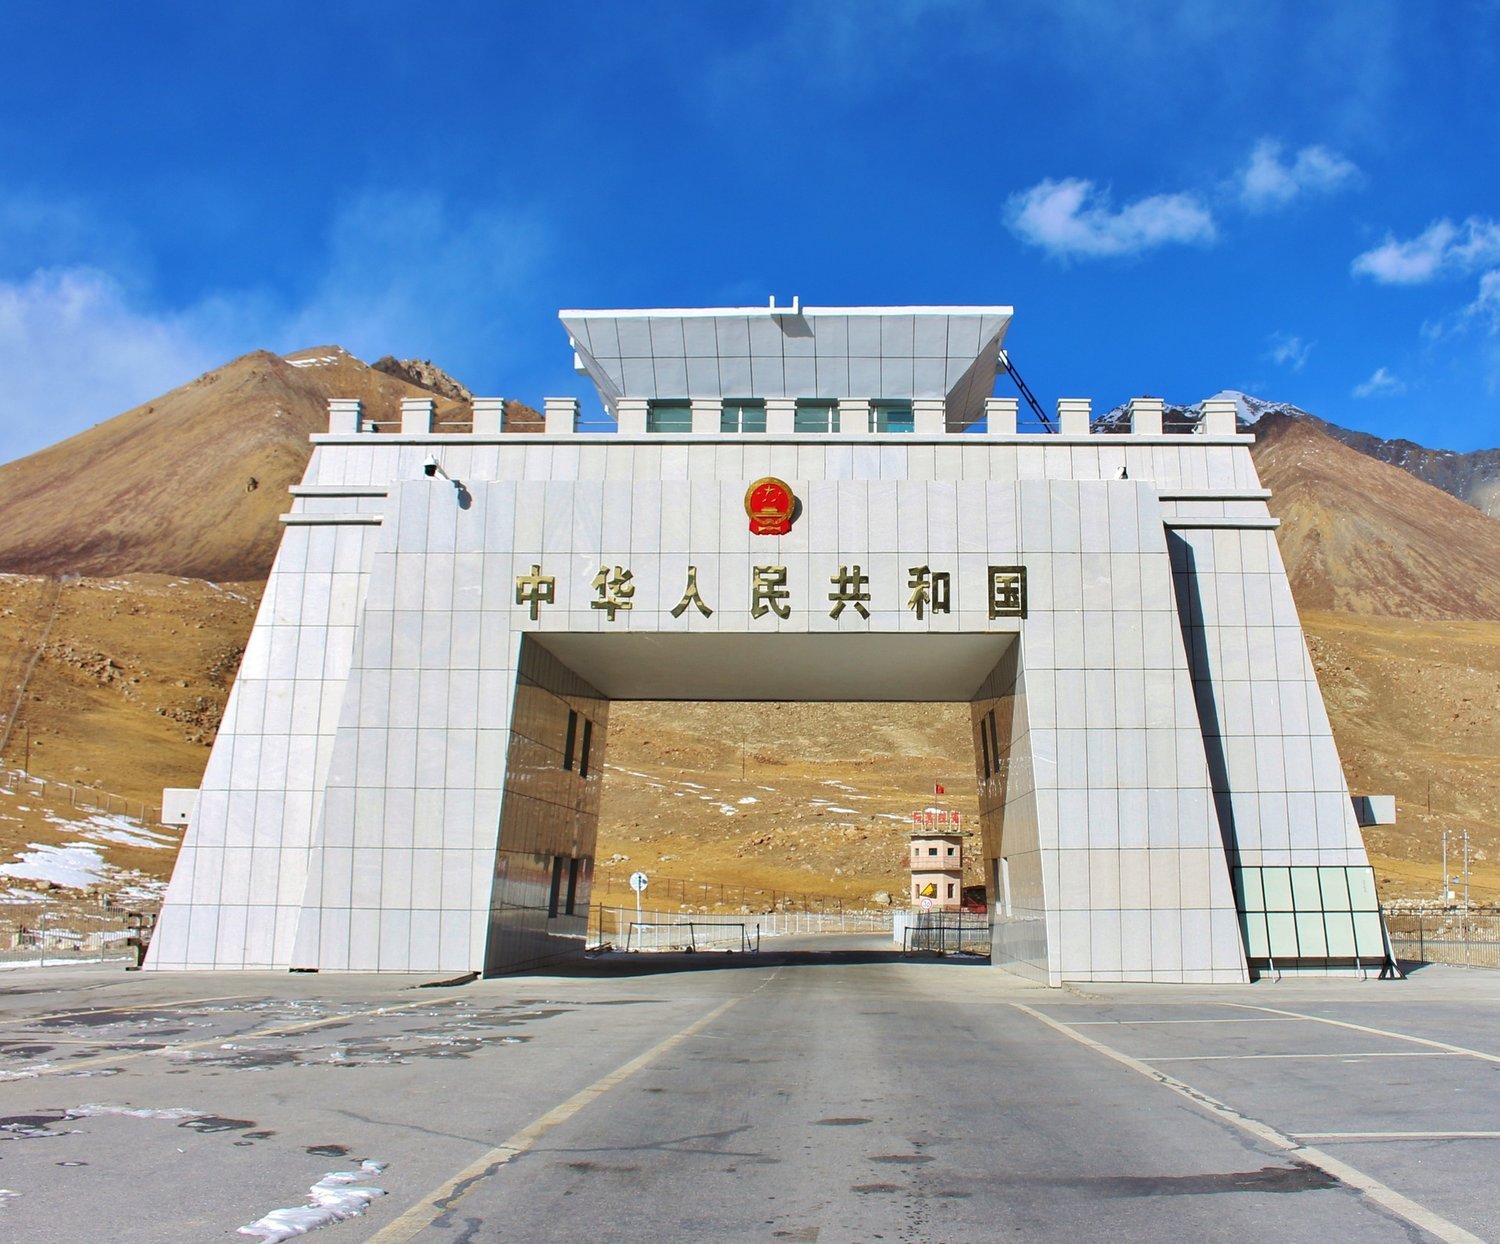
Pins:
x,y
1335,889
1367,936
743,415
1257,944
1310,934
816,415
1281,932
931,850
1362,889
1278,885
1305,896
572,739
669,417
1340,926
891,417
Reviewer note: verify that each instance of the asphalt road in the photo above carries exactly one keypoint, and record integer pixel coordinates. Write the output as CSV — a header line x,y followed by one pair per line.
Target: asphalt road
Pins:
x,y
844,1096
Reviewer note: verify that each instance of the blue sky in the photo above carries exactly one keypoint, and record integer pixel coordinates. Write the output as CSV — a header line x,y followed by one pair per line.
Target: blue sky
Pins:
x,y
1298,200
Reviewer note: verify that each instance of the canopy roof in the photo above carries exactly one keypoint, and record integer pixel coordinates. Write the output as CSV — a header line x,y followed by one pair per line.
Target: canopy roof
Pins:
x,y
894,353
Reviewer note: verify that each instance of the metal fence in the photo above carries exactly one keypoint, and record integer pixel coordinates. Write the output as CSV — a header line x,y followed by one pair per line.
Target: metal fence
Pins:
x,y
1470,939
82,796
947,932
40,934
718,893
692,935
612,926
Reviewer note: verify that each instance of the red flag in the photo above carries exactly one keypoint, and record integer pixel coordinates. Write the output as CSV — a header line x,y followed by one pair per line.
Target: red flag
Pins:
x,y
937,789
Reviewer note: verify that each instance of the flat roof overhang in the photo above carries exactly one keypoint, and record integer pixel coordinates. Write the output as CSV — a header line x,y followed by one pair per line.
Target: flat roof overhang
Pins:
x,y
883,353
818,668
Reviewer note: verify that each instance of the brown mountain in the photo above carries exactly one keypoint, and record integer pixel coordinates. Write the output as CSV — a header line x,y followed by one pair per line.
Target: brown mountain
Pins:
x,y
1361,536
188,484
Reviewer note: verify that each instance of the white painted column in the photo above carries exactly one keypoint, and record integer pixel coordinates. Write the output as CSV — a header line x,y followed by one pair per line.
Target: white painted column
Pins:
x,y
708,415
1218,417
561,414
1000,412
489,416
416,416
929,416
781,415
854,415
1146,415
1073,415
345,414
630,412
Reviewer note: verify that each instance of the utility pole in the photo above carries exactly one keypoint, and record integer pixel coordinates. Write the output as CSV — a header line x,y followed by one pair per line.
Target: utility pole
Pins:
x,y
1443,887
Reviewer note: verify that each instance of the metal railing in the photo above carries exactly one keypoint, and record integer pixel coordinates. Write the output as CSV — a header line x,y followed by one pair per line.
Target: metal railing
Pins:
x,y
692,935
719,893
83,796
611,926
42,934
947,933
1470,939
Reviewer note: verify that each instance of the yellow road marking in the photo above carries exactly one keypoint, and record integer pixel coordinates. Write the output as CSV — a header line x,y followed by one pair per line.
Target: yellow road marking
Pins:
x,y
442,1198
1386,1197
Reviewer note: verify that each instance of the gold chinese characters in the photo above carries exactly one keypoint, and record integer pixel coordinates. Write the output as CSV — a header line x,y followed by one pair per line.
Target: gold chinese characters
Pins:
x,y
931,592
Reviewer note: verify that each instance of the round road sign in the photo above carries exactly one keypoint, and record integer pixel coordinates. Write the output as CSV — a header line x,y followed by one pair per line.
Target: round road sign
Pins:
x,y
926,904
639,881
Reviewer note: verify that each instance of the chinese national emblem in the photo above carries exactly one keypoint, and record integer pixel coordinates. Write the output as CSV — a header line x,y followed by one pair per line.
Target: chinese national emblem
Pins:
x,y
769,503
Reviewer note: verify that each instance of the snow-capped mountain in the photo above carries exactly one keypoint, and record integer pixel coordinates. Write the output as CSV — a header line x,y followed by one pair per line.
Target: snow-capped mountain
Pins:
x,y
1472,477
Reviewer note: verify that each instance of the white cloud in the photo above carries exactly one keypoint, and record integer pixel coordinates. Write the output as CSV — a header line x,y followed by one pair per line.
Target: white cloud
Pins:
x,y
74,351
408,274
1269,182
1289,351
1070,218
403,274
1440,249
1381,384
1485,307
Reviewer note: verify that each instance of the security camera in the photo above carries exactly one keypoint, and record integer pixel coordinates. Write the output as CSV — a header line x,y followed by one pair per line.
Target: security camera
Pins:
x,y
433,467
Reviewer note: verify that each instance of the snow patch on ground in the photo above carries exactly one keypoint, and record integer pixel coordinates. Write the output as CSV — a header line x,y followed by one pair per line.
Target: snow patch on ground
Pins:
x,y
75,865
749,799
94,1109
118,830
335,1197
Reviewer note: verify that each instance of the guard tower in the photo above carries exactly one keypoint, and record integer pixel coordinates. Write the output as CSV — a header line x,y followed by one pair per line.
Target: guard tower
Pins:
x,y
936,862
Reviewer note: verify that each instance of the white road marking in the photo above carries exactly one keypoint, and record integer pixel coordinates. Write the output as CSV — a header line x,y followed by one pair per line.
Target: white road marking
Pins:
x,y
1231,1058
1397,1135
1386,1197
442,1198
1374,1032
1101,1023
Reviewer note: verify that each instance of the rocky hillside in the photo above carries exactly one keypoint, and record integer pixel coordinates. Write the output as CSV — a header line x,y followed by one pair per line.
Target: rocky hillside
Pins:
x,y
192,483
189,484
1360,536
1471,477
